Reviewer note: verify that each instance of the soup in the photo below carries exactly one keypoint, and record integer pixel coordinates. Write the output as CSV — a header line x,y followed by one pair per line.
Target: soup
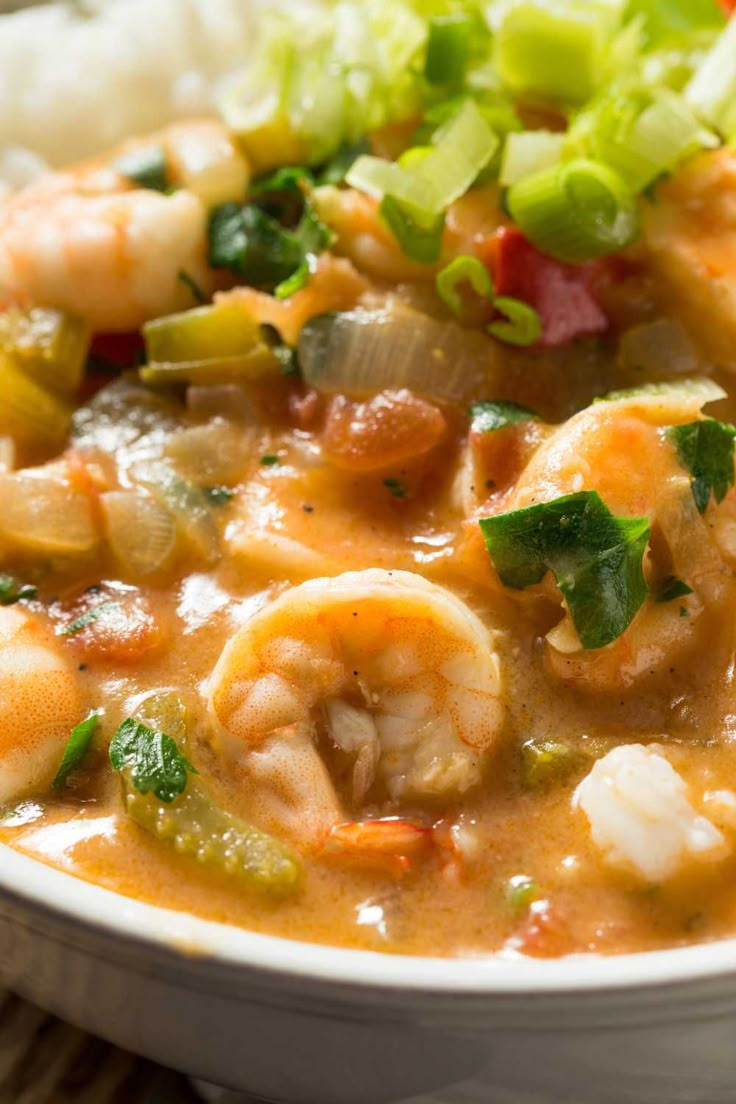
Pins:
x,y
367,509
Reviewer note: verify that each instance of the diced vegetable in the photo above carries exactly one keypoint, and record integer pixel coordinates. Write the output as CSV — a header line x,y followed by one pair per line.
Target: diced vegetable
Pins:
x,y
207,345
45,515
670,589
489,415
667,20
27,412
659,349
414,199
187,502
547,761
521,326
696,393
449,48
712,91
49,345
463,270
521,892
529,152
364,351
140,530
706,449
211,453
561,294
575,211
162,797
77,746
641,134
12,591
555,49
595,557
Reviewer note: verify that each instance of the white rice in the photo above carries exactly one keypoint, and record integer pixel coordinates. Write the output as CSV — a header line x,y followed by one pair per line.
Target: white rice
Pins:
x,y
641,816
72,85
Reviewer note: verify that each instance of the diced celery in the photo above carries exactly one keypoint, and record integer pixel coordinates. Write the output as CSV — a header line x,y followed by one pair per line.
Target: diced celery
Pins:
x,y
712,91
208,344
49,345
28,413
547,761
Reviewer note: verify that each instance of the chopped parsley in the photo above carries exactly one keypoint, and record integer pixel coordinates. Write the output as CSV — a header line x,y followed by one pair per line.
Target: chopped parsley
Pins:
x,y
490,415
76,748
146,168
595,557
285,354
218,496
706,449
104,610
396,487
11,591
269,460
671,588
155,763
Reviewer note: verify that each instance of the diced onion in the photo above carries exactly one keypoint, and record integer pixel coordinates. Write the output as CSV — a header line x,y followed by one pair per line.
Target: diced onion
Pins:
x,y
660,350
187,503
363,351
211,453
140,530
45,515
7,454
574,211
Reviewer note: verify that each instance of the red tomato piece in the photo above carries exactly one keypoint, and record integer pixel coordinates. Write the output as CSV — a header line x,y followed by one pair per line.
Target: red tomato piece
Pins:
x,y
562,294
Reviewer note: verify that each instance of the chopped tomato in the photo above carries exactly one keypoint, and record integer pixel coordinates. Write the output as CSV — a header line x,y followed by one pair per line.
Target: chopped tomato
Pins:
x,y
119,350
729,6
563,294
544,933
388,429
111,623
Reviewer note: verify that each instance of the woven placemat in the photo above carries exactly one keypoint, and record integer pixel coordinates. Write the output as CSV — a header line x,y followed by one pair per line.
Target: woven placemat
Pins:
x,y
46,1061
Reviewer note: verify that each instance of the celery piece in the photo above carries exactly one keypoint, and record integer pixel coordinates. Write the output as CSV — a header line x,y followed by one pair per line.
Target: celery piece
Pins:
x,y
28,412
547,761
49,345
207,345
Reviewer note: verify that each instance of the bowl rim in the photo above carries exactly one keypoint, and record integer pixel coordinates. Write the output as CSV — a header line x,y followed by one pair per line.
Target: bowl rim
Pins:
x,y
61,895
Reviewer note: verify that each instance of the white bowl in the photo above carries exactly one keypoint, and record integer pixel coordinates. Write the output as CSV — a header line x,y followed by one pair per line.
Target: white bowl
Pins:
x,y
294,1022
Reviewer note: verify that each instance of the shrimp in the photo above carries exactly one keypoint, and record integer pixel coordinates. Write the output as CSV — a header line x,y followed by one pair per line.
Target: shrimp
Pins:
x,y
39,703
690,240
375,687
644,479
641,815
90,242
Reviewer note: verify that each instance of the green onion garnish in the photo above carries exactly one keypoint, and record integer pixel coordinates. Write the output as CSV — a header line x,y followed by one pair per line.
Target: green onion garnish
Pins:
x,y
522,325
574,211
463,270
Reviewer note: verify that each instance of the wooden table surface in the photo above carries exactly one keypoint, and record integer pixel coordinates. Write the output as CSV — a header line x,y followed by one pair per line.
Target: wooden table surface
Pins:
x,y
45,1061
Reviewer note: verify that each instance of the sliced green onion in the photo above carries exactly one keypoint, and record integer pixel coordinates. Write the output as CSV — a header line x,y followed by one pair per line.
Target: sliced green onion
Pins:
x,y
712,91
463,270
555,49
527,152
575,211
667,20
463,147
449,48
419,243
523,326
640,134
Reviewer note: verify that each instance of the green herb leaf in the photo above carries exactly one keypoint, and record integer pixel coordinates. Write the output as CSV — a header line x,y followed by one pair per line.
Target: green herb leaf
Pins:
x,y
396,487
269,461
11,591
489,415
252,244
671,588
706,449
76,748
336,169
104,610
156,765
219,496
146,167
595,557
